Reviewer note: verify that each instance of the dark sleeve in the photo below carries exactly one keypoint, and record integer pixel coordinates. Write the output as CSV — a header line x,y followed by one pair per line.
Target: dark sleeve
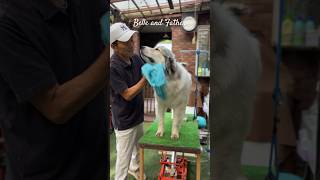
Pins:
x,y
118,84
23,68
139,61
104,7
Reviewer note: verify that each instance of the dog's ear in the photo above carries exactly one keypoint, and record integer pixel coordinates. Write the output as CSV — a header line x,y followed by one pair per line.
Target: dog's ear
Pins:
x,y
170,65
184,64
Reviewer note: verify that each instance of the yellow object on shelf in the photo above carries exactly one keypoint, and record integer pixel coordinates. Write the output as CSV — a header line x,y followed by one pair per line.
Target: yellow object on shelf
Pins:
x,y
287,31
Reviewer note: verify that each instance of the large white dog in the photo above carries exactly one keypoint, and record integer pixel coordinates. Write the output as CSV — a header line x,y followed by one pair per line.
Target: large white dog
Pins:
x,y
177,88
237,67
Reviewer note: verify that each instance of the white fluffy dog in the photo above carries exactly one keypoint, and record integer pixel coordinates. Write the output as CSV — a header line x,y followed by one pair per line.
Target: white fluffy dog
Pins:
x,y
237,67
177,89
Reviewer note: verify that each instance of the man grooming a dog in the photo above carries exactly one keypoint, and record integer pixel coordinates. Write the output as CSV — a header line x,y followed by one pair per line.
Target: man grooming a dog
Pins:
x,y
126,83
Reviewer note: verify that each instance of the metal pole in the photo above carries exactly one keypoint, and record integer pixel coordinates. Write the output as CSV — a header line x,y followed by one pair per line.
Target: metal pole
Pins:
x,y
276,100
317,173
196,91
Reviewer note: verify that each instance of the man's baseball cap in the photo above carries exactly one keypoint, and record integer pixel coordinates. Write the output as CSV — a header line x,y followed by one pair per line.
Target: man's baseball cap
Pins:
x,y
120,32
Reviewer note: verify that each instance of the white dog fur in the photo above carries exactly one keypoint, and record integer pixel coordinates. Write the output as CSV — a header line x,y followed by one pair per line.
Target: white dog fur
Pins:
x,y
177,89
237,67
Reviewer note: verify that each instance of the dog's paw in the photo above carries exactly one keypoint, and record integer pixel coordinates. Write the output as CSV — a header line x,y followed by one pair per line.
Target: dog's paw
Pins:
x,y
159,133
175,135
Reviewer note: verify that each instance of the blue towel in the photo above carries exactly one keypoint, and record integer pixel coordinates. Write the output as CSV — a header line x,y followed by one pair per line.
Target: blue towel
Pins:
x,y
156,78
104,22
201,122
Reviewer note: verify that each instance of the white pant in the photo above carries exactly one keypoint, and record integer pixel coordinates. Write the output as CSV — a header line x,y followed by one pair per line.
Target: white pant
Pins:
x,y
127,148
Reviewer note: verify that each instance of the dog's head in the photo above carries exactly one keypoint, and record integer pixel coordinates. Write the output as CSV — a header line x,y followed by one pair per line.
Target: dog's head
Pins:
x,y
159,55
155,55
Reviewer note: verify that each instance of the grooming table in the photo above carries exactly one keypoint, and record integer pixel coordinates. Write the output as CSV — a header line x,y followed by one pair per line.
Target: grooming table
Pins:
x,y
188,141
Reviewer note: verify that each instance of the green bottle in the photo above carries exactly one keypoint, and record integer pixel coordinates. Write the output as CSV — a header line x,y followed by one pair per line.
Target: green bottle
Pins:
x,y
287,31
199,71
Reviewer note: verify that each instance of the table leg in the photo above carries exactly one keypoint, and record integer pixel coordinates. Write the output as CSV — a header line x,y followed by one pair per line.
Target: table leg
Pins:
x,y
198,167
141,163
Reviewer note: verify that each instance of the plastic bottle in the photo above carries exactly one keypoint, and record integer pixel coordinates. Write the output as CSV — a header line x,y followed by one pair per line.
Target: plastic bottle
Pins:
x,y
310,24
199,71
287,31
204,71
311,39
298,32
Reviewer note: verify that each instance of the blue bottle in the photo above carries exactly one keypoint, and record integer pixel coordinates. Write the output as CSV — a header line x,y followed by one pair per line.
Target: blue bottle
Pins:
x,y
298,32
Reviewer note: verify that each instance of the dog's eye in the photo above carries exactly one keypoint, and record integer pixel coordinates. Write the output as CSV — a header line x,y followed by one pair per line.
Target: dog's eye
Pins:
x,y
157,49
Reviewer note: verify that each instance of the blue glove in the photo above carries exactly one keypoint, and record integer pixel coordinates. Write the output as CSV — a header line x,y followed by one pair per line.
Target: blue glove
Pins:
x,y
104,21
156,78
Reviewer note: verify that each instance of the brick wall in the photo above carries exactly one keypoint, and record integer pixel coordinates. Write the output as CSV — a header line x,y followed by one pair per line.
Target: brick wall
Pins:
x,y
182,40
136,41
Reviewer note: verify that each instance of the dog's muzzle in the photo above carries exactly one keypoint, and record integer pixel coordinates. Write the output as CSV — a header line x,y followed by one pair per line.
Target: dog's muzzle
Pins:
x,y
143,57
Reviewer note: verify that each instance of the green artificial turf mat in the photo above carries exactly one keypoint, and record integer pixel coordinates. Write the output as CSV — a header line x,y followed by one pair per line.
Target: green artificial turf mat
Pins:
x,y
152,165
187,142
255,172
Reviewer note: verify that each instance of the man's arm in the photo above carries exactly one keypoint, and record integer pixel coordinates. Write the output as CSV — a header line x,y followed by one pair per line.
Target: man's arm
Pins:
x,y
60,102
131,92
